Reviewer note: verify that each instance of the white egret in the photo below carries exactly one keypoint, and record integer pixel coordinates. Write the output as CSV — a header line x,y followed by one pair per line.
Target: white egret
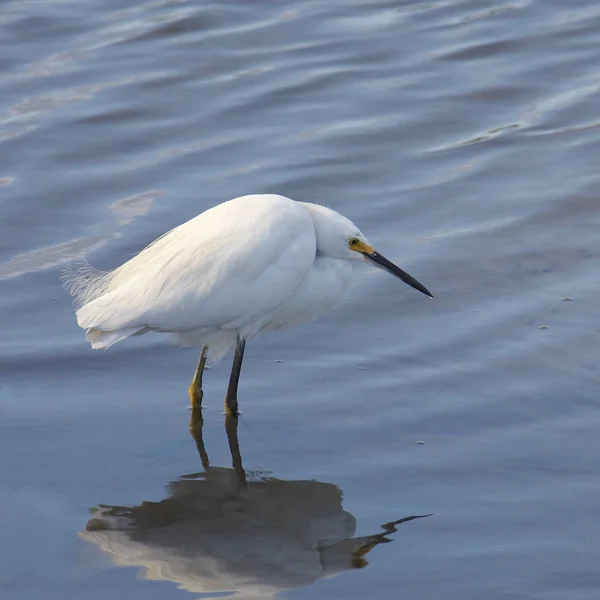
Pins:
x,y
250,265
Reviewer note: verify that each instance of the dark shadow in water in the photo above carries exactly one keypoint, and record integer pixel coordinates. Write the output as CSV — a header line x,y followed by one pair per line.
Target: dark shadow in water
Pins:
x,y
221,531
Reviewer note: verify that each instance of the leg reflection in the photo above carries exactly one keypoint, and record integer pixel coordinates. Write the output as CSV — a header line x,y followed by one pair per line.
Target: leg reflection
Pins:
x,y
196,425
231,428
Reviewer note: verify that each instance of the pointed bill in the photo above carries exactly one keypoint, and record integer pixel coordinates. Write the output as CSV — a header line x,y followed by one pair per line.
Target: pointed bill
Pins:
x,y
382,262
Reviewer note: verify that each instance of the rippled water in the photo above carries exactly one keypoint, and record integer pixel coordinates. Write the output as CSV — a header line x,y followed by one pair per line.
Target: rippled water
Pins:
x,y
463,137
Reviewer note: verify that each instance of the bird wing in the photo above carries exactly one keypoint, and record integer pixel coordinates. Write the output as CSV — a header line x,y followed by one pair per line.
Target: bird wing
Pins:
x,y
230,267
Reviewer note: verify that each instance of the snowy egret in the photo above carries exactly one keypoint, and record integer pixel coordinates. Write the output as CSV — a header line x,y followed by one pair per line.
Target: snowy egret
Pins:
x,y
250,265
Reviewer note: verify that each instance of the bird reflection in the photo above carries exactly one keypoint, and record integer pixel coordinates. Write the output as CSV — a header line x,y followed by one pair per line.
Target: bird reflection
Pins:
x,y
223,532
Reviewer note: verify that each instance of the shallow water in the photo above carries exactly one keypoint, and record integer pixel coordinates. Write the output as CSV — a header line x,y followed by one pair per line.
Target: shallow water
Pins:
x,y
463,137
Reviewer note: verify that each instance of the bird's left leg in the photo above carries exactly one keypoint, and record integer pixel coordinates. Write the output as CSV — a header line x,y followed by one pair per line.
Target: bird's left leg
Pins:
x,y
231,403
196,387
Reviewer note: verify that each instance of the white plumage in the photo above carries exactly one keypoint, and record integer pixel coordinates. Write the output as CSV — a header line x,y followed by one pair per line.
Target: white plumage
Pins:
x,y
246,266
232,268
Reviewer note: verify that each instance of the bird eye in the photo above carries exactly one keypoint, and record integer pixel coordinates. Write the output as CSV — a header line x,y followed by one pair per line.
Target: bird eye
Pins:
x,y
354,242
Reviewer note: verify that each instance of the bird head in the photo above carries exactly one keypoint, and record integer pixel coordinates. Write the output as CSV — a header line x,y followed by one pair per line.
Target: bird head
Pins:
x,y
338,237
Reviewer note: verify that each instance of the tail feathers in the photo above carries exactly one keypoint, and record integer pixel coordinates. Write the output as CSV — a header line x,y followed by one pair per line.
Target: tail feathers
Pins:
x,y
101,340
83,282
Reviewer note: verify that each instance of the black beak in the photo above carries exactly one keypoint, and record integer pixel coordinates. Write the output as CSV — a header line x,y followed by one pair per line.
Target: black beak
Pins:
x,y
383,263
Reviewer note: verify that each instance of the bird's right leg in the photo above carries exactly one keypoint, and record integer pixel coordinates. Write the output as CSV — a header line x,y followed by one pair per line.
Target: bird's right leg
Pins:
x,y
231,401
196,387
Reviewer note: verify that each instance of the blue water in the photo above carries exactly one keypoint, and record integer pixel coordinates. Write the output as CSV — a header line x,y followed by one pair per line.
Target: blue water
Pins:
x,y
463,138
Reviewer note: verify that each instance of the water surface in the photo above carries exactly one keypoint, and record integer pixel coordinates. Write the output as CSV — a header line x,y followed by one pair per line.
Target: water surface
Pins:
x,y
463,138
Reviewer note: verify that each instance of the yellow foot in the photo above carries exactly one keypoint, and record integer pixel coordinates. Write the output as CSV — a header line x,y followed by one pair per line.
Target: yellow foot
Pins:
x,y
195,396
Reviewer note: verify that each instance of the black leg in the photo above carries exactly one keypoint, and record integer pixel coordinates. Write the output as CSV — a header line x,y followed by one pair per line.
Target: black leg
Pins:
x,y
196,387
231,402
